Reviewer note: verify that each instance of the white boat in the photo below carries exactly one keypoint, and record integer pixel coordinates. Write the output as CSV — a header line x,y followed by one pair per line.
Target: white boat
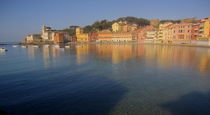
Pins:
x,y
23,46
78,46
56,46
35,46
14,46
3,50
46,46
67,46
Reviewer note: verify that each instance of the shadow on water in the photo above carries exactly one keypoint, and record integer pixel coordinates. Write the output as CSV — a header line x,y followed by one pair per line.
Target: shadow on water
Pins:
x,y
194,103
75,94
3,112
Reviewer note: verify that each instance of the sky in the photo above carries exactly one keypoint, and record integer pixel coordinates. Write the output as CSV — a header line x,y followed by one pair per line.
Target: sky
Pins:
x,y
19,18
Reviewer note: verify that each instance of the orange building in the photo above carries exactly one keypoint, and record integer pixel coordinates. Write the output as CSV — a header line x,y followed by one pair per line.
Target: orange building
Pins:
x,y
59,37
115,36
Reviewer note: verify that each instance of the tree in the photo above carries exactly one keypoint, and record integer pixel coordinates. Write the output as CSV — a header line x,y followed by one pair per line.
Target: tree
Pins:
x,y
71,30
134,20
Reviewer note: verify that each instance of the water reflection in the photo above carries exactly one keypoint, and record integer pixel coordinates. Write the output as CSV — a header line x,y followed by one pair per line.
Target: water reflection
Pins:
x,y
164,56
81,51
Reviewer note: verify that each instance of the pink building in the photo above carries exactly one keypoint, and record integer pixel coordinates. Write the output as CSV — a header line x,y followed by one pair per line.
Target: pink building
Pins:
x,y
141,33
182,31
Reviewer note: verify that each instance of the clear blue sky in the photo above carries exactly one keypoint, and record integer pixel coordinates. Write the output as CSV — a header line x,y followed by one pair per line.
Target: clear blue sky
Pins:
x,y
21,17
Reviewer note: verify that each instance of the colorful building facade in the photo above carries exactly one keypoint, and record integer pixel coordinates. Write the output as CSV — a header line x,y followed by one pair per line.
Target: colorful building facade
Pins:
x,y
33,38
204,29
114,36
59,37
147,32
162,30
81,37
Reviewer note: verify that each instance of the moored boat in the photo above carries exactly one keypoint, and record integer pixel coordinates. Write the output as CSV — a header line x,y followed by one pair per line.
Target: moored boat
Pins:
x,y
67,46
78,46
46,46
14,46
23,46
3,50
35,46
56,46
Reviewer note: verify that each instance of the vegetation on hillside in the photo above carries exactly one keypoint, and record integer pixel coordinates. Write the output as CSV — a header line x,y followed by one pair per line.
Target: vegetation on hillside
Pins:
x,y
173,21
107,25
71,30
134,20
98,26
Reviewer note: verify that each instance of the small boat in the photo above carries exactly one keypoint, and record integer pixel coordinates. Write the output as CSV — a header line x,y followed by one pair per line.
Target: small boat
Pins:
x,y
67,46
35,46
46,46
56,46
78,46
14,46
3,50
23,46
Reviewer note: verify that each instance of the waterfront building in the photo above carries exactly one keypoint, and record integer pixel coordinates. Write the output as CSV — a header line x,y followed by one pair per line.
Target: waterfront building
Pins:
x,y
114,36
151,35
161,30
93,37
195,30
167,33
182,32
59,37
81,37
204,29
33,38
147,32
47,33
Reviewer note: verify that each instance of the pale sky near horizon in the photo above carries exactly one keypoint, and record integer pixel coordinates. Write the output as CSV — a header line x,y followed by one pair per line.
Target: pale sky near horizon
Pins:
x,y
21,17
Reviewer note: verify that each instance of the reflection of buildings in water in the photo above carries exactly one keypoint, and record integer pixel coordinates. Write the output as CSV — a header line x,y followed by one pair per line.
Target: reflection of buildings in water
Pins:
x,y
116,53
46,53
163,55
56,51
81,51
31,52
121,53
169,56
204,65
46,56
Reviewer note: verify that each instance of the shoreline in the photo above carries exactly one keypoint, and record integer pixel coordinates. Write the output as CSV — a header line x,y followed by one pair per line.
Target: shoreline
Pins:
x,y
117,43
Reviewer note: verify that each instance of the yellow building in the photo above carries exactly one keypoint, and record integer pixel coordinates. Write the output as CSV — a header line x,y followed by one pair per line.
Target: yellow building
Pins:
x,y
163,30
115,27
81,37
204,29
207,27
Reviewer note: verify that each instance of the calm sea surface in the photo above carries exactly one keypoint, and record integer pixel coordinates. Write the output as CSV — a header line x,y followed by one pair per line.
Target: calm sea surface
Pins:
x,y
105,80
